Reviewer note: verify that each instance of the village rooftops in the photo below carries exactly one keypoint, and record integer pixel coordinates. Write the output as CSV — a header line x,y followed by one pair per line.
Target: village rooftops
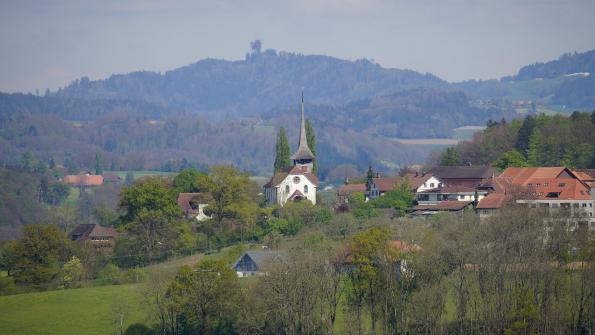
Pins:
x,y
442,206
470,176
189,201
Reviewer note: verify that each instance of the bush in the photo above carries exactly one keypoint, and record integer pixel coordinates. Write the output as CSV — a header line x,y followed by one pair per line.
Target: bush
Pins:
x,y
110,275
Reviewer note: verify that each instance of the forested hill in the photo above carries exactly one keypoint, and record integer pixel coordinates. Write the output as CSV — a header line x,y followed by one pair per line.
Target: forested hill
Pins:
x,y
567,64
263,80
535,141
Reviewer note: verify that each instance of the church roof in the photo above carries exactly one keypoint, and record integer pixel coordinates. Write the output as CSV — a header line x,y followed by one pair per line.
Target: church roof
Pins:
x,y
280,176
303,151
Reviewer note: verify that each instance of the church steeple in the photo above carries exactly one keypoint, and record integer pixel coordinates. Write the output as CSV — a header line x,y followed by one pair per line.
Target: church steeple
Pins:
x,y
303,155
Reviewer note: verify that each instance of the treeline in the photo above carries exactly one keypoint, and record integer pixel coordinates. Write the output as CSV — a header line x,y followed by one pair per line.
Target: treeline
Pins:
x,y
539,140
512,275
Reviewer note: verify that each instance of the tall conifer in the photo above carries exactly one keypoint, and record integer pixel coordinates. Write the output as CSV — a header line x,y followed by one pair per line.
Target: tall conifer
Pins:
x,y
281,151
311,139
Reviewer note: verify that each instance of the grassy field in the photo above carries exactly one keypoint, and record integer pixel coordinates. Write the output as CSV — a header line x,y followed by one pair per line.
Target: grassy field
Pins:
x,y
76,311
140,174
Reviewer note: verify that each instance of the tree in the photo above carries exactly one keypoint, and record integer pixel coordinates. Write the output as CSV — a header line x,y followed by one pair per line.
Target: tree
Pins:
x,y
229,191
369,178
37,257
206,298
98,164
186,181
152,221
510,158
281,151
311,140
524,134
450,157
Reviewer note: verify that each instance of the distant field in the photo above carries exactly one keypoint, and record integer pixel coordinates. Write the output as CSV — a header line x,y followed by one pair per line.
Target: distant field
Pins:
x,y
140,174
427,141
76,311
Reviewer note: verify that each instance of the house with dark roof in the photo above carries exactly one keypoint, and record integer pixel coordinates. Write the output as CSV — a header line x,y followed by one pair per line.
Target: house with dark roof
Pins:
x,y
255,263
101,238
84,180
299,181
451,193
468,176
429,209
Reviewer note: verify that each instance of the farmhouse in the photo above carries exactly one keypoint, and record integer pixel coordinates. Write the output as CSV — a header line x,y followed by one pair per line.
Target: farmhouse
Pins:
x,y
254,263
468,176
101,238
298,182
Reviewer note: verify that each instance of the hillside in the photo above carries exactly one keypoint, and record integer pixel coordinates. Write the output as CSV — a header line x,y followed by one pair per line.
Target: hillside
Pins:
x,y
567,64
263,80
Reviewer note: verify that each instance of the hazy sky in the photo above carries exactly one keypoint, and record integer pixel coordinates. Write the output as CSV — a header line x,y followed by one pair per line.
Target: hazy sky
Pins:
x,y
46,44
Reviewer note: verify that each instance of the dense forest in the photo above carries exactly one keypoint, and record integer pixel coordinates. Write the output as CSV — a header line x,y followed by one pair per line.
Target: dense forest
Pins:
x,y
538,140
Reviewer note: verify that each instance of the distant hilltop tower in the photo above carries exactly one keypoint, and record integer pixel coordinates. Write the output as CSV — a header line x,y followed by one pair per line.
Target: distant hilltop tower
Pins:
x,y
303,156
296,183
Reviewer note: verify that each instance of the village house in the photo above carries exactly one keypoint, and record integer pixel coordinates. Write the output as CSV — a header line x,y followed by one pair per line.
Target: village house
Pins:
x,y
468,176
193,205
380,185
297,182
255,263
101,238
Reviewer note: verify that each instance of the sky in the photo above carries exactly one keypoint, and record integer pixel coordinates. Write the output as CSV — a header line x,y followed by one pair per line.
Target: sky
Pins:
x,y
47,44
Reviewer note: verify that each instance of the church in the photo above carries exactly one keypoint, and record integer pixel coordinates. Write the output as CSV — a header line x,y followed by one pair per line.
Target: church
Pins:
x,y
297,182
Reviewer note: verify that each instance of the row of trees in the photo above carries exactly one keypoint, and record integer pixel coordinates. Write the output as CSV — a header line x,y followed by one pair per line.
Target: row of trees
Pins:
x,y
516,274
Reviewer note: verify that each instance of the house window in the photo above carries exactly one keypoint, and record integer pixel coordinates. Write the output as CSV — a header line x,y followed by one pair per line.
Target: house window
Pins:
x,y
561,184
431,184
306,189
286,188
462,197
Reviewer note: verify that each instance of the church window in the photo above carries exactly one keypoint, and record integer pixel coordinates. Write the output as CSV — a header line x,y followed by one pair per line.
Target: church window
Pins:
x,y
286,188
306,189
296,180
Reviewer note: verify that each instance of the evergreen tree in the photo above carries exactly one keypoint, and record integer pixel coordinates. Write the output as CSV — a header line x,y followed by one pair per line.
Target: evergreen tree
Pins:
x,y
369,178
281,151
522,142
98,164
129,179
533,154
450,157
311,139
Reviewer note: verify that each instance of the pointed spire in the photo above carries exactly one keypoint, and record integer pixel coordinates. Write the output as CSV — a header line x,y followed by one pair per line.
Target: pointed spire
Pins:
x,y
303,151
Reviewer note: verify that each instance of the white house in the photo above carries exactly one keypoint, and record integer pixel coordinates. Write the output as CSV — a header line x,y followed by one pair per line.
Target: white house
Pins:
x,y
297,182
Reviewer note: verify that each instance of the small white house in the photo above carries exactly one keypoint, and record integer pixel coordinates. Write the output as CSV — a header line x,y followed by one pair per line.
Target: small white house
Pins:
x,y
254,263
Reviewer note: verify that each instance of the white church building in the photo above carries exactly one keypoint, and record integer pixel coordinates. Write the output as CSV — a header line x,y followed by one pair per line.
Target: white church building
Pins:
x,y
297,182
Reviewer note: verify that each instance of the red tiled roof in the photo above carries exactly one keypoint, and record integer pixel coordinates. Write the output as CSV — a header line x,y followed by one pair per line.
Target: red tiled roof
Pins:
x,y
586,175
522,176
557,188
84,180
492,201
442,206
349,189
384,184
